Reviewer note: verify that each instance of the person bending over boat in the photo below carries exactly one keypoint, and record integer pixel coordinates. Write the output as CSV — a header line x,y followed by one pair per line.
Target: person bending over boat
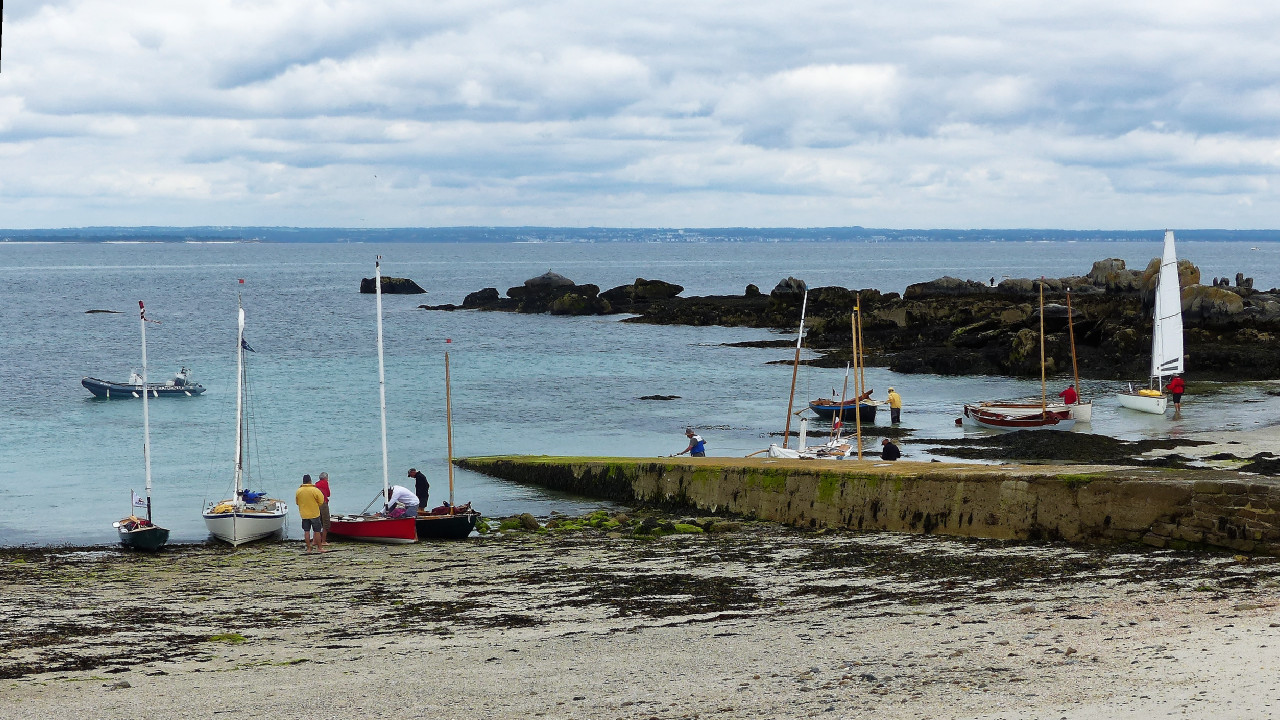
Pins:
x,y
400,495
697,446
889,450
421,487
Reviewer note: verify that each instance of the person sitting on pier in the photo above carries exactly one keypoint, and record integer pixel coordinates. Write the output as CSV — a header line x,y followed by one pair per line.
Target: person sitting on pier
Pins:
x,y
889,450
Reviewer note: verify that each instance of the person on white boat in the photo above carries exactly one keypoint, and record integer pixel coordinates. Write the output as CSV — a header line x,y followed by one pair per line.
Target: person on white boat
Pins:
x,y
889,450
697,446
400,495
309,499
1069,396
1176,388
895,406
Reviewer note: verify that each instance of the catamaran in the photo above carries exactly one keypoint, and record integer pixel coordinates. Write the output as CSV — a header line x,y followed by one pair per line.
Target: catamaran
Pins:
x,y
1166,337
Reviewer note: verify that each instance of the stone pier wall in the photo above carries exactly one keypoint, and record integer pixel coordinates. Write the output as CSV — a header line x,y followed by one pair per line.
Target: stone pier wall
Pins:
x,y
1164,508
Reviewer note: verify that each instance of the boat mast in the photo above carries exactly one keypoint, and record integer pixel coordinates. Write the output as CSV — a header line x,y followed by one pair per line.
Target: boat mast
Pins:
x,y
795,368
838,426
239,398
448,423
858,380
1044,392
146,419
1071,331
382,380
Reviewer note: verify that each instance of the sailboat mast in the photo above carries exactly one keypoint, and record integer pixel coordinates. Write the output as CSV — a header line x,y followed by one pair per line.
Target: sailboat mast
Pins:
x,y
838,426
382,378
1071,332
858,379
146,418
239,396
448,423
795,368
1044,392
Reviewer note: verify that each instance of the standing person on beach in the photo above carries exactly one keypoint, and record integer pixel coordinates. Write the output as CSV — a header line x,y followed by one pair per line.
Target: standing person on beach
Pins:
x,y
697,446
309,499
421,487
323,486
402,495
1176,388
895,406
889,450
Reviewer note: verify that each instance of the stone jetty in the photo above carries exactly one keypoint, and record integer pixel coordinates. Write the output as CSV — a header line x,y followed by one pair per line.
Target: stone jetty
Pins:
x,y
1076,503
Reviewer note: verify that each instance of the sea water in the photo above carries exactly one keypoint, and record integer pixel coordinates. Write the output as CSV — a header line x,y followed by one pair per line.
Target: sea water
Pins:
x,y
524,384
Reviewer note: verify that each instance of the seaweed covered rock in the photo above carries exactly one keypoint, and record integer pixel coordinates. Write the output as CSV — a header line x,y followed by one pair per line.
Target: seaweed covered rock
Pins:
x,y
640,294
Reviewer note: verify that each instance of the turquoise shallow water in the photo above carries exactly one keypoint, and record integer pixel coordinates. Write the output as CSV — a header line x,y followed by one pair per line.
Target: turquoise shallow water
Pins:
x,y
521,384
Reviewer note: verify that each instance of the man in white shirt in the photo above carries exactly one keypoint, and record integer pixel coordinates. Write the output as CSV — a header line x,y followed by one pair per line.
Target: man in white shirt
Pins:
x,y
403,496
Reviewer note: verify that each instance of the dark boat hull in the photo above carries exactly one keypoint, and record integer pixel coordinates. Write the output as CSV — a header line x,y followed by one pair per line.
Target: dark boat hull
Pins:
x,y
1049,420
117,391
447,527
148,538
828,410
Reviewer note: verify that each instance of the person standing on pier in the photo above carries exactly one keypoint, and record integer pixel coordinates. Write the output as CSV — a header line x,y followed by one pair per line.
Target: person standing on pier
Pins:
x,y
309,499
421,487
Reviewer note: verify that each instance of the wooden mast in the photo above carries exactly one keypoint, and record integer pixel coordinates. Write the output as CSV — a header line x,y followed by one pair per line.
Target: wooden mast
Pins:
x,y
795,369
1071,331
1044,397
146,420
857,376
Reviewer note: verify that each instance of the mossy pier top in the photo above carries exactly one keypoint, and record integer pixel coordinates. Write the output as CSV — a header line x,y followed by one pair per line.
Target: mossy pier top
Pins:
x,y
1077,503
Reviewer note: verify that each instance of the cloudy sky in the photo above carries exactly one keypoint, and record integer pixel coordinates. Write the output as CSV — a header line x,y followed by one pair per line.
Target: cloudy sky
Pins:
x,y
984,113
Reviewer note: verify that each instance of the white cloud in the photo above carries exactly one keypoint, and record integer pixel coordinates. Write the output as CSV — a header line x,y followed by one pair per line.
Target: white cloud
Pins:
x,y
1079,113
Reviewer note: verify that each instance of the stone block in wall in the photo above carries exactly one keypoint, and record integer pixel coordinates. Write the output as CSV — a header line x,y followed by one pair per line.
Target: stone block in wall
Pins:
x,y
1155,540
1188,534
1208,487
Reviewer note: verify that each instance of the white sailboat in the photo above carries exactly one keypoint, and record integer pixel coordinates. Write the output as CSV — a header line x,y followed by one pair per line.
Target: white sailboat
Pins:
x,y
1166,337
245,516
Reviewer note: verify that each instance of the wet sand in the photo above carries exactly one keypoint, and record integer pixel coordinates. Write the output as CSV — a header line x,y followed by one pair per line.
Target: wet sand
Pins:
x,y
762,622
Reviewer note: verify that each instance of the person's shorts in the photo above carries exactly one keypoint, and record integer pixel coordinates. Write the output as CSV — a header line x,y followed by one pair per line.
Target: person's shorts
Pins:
x,y
1177,397
324,517
697,454
312,524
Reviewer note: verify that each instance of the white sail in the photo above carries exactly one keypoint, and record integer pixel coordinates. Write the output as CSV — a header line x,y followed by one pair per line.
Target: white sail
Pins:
x,y
1166,335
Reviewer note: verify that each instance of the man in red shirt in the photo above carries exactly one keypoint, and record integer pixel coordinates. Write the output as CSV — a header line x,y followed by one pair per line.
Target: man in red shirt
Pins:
x,y
323,486
1176,388
1069,395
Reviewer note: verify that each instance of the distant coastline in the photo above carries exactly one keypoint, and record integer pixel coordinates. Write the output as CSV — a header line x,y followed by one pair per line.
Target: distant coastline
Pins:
x,y
533,234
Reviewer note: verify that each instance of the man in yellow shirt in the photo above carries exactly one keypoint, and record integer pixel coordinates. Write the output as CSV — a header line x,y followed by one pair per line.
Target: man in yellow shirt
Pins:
x,y
895,406
309,499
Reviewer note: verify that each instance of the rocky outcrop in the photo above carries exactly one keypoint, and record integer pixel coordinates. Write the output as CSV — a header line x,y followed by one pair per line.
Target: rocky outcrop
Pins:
x,y
952,326
392,286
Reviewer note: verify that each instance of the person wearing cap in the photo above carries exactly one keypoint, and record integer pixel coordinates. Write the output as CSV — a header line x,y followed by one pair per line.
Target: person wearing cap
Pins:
x,y
889,450
309,499
697,446
421,487
895,406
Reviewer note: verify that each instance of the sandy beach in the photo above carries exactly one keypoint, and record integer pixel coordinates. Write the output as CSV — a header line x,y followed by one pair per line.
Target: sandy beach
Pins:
x,y
761,621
